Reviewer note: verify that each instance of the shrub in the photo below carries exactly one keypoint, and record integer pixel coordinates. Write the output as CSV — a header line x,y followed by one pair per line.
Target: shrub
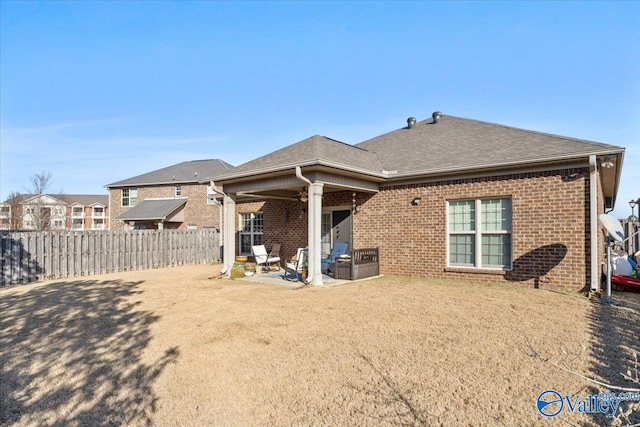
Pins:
x,y
237,272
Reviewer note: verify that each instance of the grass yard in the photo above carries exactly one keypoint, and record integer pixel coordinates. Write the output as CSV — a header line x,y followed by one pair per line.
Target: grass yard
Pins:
x,y
179,347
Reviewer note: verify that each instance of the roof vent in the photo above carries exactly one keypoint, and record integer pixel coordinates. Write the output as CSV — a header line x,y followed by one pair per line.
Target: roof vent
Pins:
x,y
436,116
411,122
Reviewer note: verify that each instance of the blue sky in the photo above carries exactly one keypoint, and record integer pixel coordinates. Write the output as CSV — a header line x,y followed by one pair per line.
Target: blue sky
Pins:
x,y
96,92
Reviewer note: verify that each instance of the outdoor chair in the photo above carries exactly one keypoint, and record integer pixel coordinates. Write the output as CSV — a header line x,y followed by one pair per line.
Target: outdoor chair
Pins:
x,y
295,266
275,252
263,258
340,248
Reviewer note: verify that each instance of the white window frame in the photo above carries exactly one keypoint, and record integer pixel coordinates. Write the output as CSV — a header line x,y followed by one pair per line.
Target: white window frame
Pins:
x,y
178,190
478,232
212,196
255,229
77,211
97,211
131,197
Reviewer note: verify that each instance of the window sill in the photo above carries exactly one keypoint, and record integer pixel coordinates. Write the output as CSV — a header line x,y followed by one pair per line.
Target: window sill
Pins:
x,y
471,270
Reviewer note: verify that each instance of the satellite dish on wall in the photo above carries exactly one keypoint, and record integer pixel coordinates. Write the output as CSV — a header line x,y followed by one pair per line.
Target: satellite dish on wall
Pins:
x,y
613,226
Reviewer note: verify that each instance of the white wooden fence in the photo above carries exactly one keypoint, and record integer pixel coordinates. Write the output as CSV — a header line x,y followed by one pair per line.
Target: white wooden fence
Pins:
x,y
32,256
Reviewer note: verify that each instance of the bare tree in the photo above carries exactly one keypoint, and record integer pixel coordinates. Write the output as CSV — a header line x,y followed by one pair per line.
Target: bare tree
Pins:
x,y
15,210
42,208
41,182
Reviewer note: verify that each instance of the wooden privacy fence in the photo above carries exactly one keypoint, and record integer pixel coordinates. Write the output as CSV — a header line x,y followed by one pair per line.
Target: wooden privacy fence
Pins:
x,y
31,256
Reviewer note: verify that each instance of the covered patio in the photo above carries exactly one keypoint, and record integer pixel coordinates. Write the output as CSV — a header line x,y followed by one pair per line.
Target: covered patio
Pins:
x,y
305,173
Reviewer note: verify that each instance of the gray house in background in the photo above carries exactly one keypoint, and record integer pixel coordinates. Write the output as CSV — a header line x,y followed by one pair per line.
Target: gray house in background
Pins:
x,y
169,198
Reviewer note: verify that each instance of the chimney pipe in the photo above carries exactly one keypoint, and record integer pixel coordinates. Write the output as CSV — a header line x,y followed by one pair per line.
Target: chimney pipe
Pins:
x,y
436,116
411,122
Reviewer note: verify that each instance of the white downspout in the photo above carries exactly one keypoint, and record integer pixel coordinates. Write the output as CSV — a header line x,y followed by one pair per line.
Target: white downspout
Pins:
x,y
311,212
222,219
593,221
220,216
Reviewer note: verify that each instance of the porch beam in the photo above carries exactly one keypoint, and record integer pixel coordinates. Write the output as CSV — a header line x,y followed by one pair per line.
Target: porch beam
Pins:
x,y
265,184
345,182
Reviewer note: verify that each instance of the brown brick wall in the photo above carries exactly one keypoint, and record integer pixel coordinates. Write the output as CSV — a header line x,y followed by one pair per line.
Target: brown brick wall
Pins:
x,y
550,228
549,212
284,223
197,212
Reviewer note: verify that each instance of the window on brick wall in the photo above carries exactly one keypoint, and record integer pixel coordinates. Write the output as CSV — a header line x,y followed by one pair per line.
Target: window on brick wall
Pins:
x,y
479,233
129,197
251,226
212,196
178,190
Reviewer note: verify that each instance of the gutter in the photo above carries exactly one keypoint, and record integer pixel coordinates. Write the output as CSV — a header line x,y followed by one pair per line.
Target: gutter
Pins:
x,y
117,185
392,175
282,168
310,271
593,221
492,166
220,216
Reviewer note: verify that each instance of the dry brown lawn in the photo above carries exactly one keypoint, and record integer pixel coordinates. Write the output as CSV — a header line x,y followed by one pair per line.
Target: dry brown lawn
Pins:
x,y
178,347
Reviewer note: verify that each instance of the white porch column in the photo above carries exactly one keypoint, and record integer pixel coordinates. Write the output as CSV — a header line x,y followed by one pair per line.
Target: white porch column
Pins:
x,y
229,231
315,222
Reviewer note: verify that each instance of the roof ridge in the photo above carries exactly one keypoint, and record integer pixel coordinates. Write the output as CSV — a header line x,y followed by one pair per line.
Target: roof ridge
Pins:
x,y
537,132
345,143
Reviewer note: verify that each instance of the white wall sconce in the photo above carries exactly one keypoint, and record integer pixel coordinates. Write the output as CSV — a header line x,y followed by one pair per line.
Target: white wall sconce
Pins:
x,y
416,201
358,208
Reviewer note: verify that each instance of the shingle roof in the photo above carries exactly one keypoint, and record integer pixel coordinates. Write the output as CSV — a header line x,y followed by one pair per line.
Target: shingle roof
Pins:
x,y
83,199
458,144
152,209
86,199
185,172
314,150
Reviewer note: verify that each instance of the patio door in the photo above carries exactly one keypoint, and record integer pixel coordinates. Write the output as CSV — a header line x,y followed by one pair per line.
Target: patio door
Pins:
x,y
336,227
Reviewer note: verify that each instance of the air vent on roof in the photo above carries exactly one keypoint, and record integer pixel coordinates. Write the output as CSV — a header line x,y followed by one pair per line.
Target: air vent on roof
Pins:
x,y
411,121
436,116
